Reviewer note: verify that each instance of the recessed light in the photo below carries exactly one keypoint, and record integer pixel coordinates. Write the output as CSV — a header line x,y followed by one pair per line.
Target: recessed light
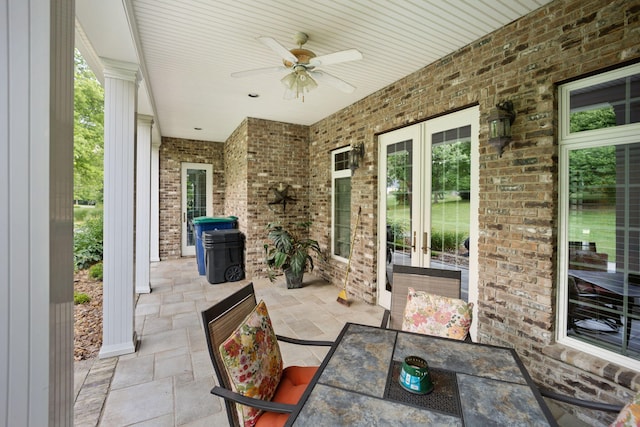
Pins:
x,y
253,95
197,128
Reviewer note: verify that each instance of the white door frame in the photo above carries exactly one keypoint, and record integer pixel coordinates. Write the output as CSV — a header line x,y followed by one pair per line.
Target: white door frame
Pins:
x,y
189,250
421,212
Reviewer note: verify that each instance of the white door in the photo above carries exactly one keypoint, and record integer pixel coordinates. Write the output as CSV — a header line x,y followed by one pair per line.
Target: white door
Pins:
x,y
428,184
197,200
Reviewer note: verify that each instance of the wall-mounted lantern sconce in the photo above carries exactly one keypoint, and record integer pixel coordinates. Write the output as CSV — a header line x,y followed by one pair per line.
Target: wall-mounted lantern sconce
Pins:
x,y
501,118
355,156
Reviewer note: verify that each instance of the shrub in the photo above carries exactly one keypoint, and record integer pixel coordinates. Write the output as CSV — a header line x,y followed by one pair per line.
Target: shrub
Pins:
x,y
95,271
87,243
80,298
447,241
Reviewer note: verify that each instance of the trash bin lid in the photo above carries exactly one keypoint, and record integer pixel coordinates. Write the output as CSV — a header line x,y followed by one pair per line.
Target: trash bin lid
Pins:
x,y
214,219
221,236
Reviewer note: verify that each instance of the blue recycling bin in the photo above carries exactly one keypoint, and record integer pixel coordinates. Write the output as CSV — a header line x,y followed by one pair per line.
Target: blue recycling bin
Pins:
x,y
209,223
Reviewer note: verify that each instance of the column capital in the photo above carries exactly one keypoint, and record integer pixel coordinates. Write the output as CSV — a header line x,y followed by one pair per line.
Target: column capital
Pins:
x,y
121,70
144,119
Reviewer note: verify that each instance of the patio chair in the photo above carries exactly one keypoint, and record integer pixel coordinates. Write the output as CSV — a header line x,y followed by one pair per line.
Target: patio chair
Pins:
x,y
588,311
238,316
445,283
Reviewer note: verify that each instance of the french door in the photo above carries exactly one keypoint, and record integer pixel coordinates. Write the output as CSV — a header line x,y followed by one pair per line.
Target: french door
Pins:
x,y
428,185
197,192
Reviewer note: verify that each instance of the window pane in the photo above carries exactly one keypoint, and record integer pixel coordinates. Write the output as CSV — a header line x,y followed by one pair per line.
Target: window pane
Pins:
x,y
612,103
196,200
604,247
450,197
342,216
399,196
341,161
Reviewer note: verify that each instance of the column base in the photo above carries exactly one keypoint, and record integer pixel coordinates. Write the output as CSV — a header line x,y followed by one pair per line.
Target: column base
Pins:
x,y
143,289
113,350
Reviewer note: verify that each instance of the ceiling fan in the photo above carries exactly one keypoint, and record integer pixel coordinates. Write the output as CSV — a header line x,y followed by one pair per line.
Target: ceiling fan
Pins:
x,y
302,64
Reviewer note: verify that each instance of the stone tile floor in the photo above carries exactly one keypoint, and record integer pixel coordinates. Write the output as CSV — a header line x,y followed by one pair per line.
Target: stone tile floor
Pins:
x,y
167,381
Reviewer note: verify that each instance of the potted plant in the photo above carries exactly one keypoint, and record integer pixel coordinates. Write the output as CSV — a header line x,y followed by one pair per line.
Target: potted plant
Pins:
x,y
290,251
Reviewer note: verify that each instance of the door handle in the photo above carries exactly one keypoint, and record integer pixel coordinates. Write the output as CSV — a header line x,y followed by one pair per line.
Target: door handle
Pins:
x,y
425,239
184,217
414,242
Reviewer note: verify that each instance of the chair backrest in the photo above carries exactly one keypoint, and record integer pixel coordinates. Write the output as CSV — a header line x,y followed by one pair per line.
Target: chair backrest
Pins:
x,y
219,321
446,283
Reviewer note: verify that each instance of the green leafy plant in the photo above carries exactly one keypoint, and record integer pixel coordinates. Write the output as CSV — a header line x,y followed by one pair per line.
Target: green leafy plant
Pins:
x,y
95,271
290,248
80,298
87,243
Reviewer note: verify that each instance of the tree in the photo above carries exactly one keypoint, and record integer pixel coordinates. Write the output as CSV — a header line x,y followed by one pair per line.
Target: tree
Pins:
x,y
451,169
88,134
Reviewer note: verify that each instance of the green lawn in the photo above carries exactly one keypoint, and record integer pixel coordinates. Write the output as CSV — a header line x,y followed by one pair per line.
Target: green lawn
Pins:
x,y
595,224
450,215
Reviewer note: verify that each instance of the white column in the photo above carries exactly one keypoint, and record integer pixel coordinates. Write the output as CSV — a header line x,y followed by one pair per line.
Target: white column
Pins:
x,y
143,202
120,100
155,203
36,212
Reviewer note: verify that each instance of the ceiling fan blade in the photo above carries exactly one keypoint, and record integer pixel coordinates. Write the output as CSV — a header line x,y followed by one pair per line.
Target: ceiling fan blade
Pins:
x,y
327,78
258,71
334,58
279,49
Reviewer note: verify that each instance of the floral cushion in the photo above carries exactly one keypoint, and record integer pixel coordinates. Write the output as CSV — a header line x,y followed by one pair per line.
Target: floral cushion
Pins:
x,y
630,414
252,358
436,315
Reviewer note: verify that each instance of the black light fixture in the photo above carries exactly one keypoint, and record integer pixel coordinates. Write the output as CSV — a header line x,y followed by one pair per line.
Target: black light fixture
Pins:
x,y
501,118
355,156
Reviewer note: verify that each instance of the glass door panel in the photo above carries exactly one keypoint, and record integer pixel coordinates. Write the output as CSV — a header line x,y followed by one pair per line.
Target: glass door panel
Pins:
x,y
451,201
396,205
196,201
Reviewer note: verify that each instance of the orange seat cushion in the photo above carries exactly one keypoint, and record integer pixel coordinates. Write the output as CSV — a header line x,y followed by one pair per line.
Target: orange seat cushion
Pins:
x,y
292,385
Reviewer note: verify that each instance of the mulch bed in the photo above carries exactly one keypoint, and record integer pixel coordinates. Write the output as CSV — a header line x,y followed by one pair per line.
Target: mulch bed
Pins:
x,y
87,325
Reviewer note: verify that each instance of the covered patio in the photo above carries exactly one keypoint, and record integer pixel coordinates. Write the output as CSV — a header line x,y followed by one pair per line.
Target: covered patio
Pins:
x,y
166,382
166,102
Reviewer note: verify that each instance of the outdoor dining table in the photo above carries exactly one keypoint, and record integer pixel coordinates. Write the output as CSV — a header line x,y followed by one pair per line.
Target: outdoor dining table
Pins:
x,y
474,384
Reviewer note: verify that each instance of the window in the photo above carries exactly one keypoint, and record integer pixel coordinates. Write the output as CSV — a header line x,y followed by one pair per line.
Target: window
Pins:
x,y
599,235
341,203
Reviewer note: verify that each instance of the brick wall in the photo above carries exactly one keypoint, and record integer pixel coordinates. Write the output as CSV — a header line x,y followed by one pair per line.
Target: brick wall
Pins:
x,y
173,152
522,62
265,155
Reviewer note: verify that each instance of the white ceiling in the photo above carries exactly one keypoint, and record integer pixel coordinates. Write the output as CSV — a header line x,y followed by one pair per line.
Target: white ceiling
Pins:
x,y
187,50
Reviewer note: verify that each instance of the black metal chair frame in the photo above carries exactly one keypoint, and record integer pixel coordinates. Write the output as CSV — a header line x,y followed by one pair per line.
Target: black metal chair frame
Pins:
x,y
589,404
233,310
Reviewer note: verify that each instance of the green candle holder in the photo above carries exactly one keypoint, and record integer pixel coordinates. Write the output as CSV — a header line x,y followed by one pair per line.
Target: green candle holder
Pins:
x,y
415,376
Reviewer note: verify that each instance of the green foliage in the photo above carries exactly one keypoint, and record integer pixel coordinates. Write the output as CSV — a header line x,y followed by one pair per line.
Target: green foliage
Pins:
x,y
88,133
451,167
399,176
95,271
289,249
592,119
87,243
80,298
447,241
592,174
83,213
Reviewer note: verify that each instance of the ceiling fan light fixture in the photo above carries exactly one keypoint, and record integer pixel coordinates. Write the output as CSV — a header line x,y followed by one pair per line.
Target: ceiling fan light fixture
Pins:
x,y
298,83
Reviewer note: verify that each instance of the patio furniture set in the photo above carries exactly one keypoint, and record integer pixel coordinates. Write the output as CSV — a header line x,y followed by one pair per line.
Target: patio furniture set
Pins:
x,y
373,375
